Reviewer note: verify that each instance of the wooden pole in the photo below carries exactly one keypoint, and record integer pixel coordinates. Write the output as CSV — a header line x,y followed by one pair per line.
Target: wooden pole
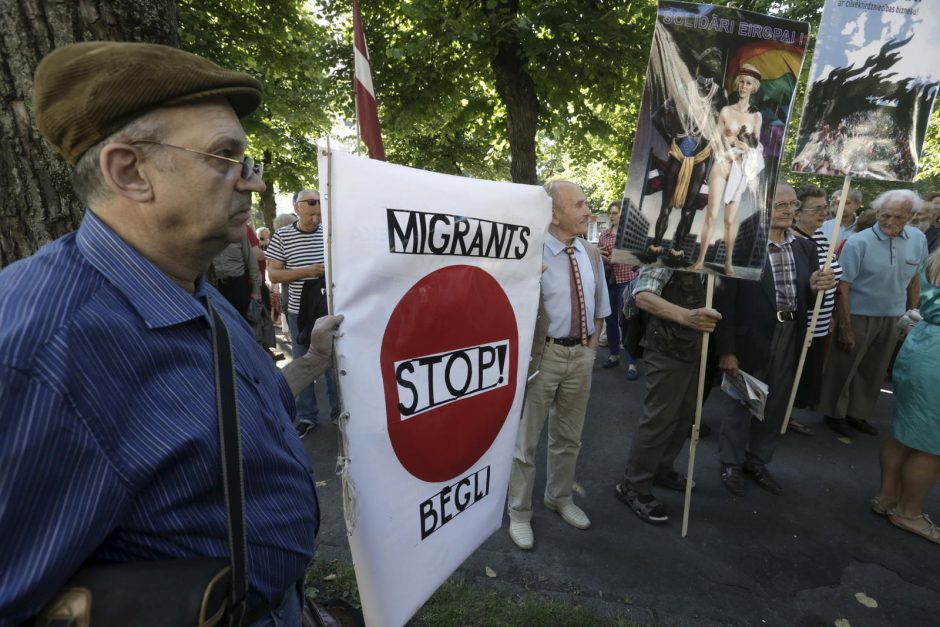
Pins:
x,y
808,338
328,234
693,444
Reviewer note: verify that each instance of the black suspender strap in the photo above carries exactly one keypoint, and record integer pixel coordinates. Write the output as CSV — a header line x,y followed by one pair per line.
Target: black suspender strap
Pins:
x,y
230,445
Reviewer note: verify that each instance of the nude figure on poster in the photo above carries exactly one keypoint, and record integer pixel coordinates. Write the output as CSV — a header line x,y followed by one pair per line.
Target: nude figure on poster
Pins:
x,y
739,160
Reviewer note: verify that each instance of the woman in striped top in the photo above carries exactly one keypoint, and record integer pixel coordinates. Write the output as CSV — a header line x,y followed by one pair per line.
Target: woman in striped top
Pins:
x,y
809,219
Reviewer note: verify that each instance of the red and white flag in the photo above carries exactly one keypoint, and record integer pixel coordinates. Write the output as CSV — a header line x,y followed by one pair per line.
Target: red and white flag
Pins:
x,y
367,116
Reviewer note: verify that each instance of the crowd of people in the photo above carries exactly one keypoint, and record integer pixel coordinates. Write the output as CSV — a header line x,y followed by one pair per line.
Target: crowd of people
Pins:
x,y
113,339
882,271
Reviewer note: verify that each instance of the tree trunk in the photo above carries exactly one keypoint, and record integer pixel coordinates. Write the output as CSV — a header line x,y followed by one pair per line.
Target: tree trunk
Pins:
x,y
515,87
266,198
36,199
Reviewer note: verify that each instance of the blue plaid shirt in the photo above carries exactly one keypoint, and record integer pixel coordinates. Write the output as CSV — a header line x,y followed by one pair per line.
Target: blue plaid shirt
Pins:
x,y
109,445
783,266
650,279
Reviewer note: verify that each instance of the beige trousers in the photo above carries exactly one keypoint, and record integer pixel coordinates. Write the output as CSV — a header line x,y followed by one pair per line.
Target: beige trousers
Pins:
x,y
564,379
853,379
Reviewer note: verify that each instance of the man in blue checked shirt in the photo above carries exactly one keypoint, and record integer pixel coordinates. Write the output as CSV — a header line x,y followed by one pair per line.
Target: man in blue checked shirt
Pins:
x,y
109,446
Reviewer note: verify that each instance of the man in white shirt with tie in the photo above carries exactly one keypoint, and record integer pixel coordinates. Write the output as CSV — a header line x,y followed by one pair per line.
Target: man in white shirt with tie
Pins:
x,y
573,305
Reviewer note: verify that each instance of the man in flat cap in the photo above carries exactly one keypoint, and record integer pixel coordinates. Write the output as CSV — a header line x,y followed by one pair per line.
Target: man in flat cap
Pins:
x,y
108,415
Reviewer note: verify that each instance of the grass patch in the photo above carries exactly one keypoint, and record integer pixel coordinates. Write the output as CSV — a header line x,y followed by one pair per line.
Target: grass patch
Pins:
x,y
459,603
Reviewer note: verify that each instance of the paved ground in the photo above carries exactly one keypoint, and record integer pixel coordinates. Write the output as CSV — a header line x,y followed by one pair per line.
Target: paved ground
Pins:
x,y
799,559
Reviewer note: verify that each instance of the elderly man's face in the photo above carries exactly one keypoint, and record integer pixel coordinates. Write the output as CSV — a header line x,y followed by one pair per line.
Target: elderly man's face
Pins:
x,y
851,205
785,203
308,215
264,238
200,201
570,210
893,216
923,217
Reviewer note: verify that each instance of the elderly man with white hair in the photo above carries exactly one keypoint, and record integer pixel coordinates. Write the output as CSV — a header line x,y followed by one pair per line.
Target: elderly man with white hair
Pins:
x,y
879,283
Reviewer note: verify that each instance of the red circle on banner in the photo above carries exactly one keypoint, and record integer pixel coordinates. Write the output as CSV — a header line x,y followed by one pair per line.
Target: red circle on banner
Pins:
x,y
448,361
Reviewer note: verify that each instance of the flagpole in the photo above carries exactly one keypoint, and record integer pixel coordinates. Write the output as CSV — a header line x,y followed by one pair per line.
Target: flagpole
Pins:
x,y
808,337
693,444
359,143
367,117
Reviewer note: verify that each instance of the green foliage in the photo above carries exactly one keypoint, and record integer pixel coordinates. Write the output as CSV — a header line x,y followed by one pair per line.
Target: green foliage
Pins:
x,y
280,44
928,178
435,85
329,579
435,88
458,603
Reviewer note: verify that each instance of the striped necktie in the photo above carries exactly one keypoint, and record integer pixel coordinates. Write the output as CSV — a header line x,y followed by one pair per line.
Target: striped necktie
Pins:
x,y
578,313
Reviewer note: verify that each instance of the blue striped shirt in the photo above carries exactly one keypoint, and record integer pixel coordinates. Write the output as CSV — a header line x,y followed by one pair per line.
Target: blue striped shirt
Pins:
x,y
109,445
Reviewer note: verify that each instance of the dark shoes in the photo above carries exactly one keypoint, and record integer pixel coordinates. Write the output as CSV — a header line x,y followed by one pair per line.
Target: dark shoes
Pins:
x,y
842,427
839,426
651,254
763,478
671,480
860,424
645,506
799,427
675,259
731,478
612,362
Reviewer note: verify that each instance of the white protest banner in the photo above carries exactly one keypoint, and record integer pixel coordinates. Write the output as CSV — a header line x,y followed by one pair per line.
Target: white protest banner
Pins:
x,y
438,279
871,89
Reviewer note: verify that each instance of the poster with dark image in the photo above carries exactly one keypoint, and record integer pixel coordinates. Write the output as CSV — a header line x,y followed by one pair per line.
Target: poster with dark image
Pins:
x,y
872,86
718,96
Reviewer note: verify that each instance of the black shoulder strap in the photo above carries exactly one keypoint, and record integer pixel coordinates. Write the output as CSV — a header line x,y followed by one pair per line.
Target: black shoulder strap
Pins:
x,y
230,443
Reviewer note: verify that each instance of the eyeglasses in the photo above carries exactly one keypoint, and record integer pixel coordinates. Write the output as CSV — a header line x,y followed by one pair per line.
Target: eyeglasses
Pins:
x,y
249,166
794,204
818,209
311,202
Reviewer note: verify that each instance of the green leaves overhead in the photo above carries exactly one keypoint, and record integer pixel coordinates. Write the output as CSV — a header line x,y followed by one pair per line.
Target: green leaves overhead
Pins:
x,y
436,88
281,45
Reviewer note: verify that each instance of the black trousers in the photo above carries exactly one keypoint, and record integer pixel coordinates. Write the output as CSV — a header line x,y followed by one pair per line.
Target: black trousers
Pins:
x,y
237,291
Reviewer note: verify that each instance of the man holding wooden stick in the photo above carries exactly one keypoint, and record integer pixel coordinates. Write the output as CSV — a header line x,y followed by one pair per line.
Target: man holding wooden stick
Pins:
x,y
673,344
760,332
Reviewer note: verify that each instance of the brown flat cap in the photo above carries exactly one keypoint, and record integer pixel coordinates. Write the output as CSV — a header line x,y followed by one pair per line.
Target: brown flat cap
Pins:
x,y
85,92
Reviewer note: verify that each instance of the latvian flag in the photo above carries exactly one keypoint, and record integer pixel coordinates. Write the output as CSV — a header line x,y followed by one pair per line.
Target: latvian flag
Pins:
x,y
367,116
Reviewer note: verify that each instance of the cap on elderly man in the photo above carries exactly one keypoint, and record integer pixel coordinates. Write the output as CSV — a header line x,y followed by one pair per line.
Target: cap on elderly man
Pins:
x,y
84,92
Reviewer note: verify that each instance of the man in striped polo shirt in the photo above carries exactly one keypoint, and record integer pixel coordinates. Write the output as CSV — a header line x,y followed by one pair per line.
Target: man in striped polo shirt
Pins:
x,y
295,256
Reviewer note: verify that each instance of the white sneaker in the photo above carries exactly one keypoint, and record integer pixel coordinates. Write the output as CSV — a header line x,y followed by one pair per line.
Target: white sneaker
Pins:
x,y
521,534
570,513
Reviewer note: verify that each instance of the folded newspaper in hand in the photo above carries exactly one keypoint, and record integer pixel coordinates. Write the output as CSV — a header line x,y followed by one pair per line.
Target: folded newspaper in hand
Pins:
x,y
747,390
